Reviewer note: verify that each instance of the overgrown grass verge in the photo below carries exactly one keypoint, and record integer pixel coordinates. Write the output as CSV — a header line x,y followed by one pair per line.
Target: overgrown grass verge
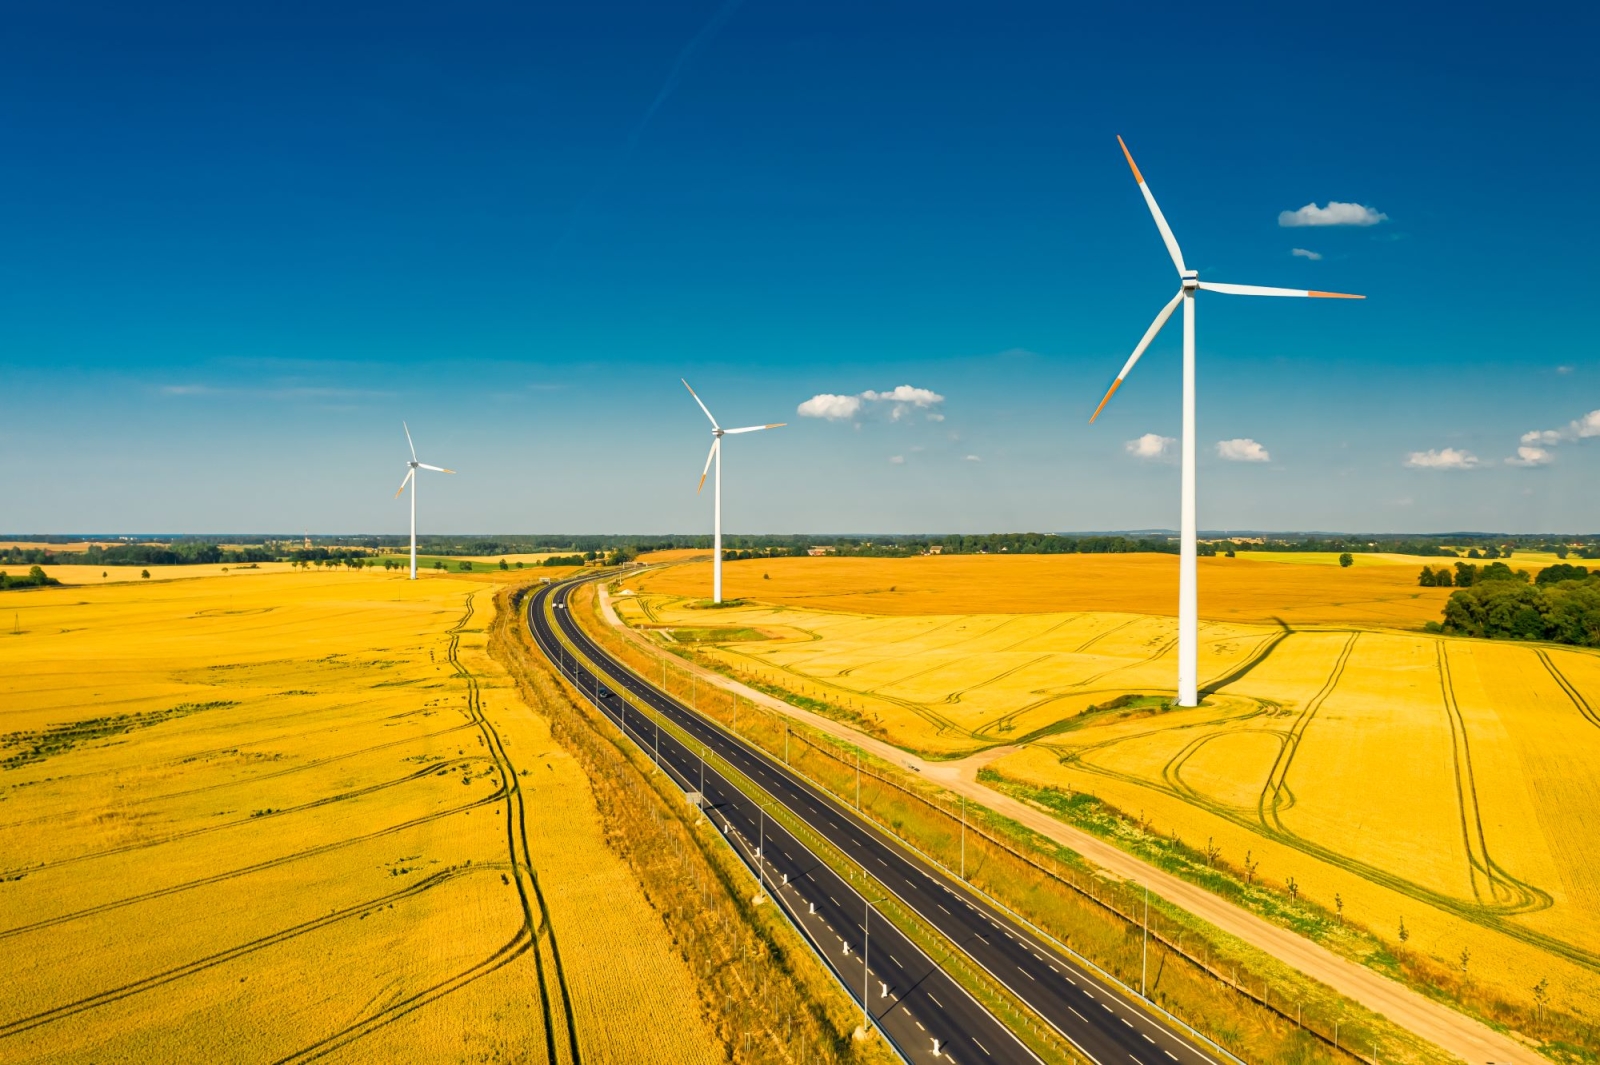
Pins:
x,y
1560,1035
1245,1000
765,994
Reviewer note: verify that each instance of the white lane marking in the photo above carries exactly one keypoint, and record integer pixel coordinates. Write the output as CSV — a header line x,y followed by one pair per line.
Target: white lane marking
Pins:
x,y
935,1001
1170,1054
1125,1020
982,1047
919,1025
1025,972
1078,1015
1147,1039
946,912
1108,1009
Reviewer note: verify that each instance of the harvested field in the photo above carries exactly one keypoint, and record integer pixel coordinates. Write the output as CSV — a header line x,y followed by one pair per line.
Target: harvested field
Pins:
x,y
353,837
1231,589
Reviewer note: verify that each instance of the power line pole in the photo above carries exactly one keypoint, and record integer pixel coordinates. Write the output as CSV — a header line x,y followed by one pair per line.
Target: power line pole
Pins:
x,y
963,838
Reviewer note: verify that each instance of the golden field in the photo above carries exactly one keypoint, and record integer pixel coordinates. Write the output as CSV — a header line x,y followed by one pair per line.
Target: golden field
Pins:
x,y
1444,782
289,815
1231,589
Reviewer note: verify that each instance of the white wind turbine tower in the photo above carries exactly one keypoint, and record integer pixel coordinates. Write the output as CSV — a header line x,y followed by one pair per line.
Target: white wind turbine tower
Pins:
x,y
1188,602
411,476
717,433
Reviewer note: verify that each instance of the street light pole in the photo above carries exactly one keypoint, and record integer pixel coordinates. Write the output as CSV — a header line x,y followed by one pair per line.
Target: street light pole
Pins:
x,y
866,968
1144,959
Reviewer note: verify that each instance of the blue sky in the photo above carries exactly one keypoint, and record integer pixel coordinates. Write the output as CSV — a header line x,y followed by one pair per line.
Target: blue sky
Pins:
x,y
242,242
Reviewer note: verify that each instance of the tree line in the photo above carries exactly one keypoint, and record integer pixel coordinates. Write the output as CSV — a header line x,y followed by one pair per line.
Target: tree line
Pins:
x,y
1561,605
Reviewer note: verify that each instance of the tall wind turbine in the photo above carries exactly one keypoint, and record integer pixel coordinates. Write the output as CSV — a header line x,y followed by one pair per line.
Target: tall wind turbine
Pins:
x,y
411,476
717,433
1188,602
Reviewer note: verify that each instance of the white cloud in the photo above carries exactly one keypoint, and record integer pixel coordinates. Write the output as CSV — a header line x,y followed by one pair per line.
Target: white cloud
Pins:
x,y
1335,214
829,406
1563,370
1242,449
973,458
897,460
1150,446
902,401
916,397
1444,458
1531,456
1304,253
1577,429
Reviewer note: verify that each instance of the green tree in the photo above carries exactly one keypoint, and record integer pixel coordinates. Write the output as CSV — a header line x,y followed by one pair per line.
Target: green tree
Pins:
x,y
144,573
465,567
1346,560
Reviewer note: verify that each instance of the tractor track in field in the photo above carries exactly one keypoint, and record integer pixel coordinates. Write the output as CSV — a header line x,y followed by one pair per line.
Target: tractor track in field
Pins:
x,y
1506,893
221,957
1589,713
431,769
536,934
196,756
1509,896
233,874
1276,795
243,781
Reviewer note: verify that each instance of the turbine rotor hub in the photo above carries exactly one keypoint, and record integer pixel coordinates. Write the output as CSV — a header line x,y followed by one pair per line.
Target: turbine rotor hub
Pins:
x,y
1191,280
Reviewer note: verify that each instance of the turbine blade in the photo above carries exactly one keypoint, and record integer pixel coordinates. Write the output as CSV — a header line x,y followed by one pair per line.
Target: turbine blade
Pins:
x,y
1263,290
1155,211
435,469
692,392
1149,335
409,444
709,456
409,474
756,428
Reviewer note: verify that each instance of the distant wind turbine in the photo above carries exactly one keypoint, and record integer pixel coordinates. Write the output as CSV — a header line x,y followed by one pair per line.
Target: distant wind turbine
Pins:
x,y
717,433
1188,600
411,476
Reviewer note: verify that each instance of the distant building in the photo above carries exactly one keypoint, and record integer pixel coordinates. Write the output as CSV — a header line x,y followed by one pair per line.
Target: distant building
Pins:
x,y
935,549
814,551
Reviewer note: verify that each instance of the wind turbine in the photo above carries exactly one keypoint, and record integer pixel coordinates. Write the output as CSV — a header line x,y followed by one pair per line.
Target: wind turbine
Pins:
x,y
717,433
1188,602
411,476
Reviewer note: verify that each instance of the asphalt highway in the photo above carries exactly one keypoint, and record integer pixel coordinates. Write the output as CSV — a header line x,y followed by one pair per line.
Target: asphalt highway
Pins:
x,y
912,998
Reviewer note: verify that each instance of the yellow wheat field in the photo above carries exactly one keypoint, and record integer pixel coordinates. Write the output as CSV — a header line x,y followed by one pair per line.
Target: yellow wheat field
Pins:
x,y
1443,782
266,817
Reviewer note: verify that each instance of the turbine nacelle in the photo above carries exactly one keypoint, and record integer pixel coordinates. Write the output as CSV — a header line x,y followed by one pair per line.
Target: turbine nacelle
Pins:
x,y
715,455
1189,283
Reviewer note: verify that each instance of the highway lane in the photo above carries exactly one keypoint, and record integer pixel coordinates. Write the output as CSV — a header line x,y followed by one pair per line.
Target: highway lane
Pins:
x,y
924,1013
1098,1018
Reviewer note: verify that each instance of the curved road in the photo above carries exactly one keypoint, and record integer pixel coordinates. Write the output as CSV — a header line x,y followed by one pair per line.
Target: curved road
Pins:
x,y
913,1001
